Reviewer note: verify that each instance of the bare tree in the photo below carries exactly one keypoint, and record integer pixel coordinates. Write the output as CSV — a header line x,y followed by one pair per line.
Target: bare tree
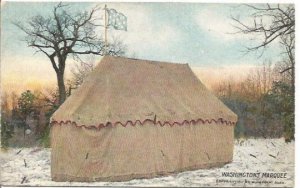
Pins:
x,y
14,100
288,42
85,66
282,23
273,22
79,72
50,97
62,34
4,106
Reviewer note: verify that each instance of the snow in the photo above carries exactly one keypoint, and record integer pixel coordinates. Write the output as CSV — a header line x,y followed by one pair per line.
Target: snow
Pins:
x,y
250,155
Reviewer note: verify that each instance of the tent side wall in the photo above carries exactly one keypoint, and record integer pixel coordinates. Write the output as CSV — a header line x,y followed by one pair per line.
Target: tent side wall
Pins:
x,y
117,153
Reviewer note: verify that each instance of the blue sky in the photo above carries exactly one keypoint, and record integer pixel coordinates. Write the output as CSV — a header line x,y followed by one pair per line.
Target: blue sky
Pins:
x,y
194,33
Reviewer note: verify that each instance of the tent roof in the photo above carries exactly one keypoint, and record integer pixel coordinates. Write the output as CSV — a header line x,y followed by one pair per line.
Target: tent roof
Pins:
x,y
123,90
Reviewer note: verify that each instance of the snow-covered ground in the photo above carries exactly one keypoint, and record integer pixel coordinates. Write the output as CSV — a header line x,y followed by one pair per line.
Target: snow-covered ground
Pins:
x,y
250,156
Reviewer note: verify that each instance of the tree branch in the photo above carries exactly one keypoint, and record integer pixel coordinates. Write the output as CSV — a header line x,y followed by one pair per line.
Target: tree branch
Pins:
x,y
283,71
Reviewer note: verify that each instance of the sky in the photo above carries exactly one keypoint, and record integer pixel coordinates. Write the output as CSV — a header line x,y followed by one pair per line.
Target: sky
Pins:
x,y
199,34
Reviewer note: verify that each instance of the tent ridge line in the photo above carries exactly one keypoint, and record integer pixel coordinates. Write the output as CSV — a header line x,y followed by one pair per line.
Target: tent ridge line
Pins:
x,y
134,123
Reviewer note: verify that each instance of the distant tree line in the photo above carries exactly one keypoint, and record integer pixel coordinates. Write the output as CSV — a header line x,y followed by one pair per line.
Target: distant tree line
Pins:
x,y
31,110
265,102
34,108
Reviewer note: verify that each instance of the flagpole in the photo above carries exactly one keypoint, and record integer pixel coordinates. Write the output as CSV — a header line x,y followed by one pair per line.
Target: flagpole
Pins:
x,y
105,30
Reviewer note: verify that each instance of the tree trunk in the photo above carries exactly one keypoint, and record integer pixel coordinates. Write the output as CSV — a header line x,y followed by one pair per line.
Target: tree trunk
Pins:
x,y
293,79
61,87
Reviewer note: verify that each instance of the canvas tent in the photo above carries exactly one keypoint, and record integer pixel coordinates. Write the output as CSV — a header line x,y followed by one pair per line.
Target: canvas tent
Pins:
x,y
139,119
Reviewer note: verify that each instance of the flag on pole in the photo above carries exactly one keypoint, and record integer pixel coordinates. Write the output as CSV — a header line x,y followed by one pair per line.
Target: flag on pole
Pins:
x,y
116,20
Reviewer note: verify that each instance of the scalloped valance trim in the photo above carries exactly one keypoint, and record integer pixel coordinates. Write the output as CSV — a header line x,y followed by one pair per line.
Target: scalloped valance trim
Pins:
x,y
134,123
